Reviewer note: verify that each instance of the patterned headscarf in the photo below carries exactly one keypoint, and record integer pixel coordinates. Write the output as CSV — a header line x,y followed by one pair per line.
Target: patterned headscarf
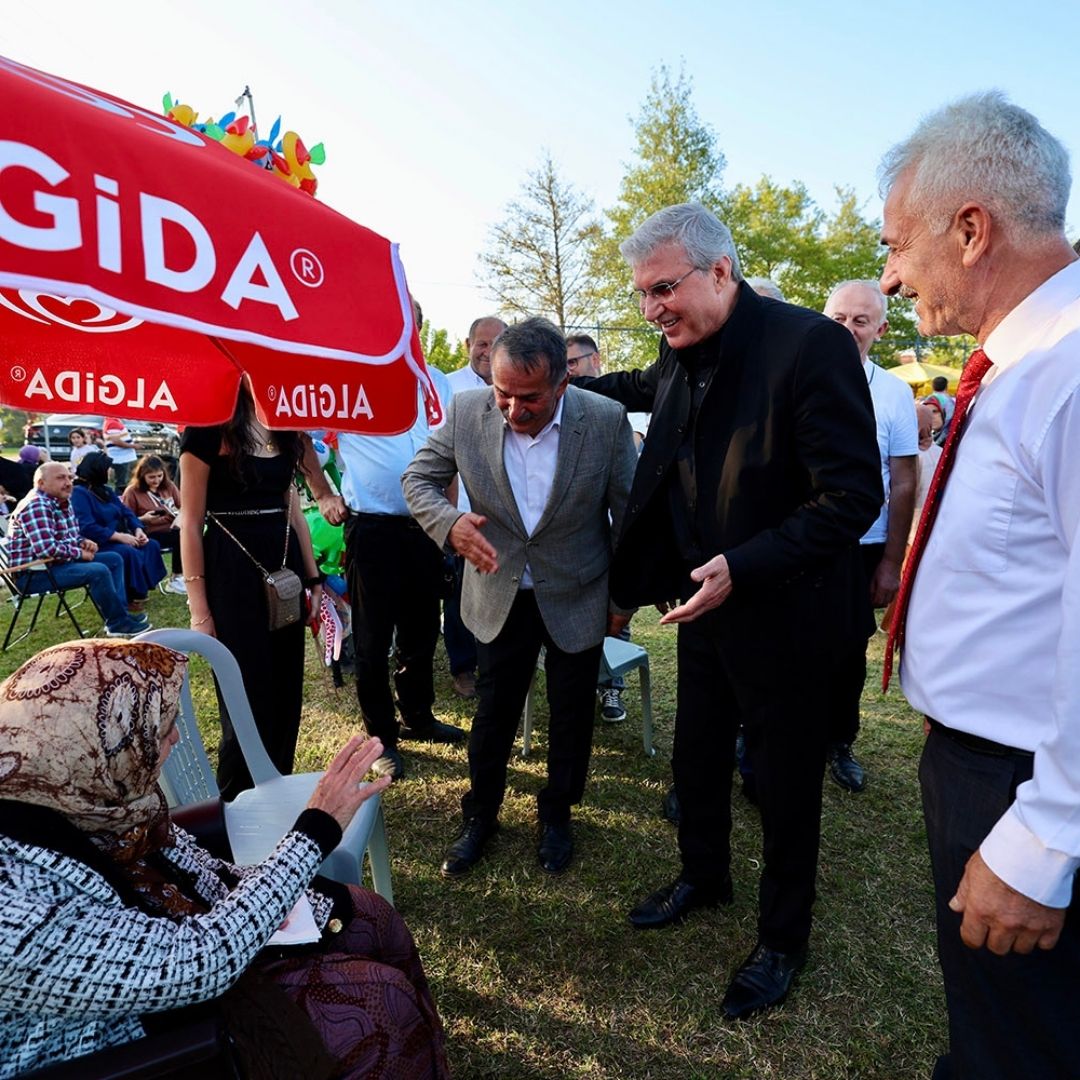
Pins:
x,y
80,732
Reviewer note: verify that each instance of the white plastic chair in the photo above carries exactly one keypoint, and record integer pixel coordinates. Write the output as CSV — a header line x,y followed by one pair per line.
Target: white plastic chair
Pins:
x,y
259,817
618,658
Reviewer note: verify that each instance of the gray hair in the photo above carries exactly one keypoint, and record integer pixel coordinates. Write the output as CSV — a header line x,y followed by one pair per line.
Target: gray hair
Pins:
x,y
765,286
44,467
702,235
534,343
868,283
483,319
983,147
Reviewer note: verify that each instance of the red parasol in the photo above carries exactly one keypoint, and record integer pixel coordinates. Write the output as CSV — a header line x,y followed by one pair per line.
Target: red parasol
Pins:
x,y
143,269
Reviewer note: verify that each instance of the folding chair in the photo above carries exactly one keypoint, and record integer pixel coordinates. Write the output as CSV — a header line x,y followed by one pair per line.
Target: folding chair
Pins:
x,y
258,818
618,658
22,592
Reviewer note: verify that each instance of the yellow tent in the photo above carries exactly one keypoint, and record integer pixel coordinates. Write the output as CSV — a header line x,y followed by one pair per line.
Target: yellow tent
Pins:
x,y
919,376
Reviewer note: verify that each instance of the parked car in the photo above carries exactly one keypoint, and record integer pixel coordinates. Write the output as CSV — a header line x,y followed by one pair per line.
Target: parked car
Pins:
x,y
150,436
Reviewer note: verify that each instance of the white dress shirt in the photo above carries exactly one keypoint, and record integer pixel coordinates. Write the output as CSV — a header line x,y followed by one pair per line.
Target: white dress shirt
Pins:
x,y
993,628
464,379
530,467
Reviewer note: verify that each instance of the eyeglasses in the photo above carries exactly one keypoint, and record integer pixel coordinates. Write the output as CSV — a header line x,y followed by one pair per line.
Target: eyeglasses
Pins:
x,y
663,290
573,361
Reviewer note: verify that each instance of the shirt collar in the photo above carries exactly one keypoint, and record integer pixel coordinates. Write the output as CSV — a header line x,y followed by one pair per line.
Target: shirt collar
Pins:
x,y
62,503
1016,334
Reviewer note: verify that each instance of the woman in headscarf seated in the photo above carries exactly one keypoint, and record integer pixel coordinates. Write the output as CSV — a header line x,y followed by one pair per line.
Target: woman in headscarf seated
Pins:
x,y
111,918
104,519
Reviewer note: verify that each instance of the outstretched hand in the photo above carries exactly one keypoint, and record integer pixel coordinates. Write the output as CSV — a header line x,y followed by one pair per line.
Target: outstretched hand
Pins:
x,y
339,792
715,589
467,540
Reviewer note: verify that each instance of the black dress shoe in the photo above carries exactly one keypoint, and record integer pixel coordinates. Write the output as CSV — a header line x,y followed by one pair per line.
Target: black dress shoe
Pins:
x,y
674,902
556,847
436,731
671,809
844,769
762,982
468,846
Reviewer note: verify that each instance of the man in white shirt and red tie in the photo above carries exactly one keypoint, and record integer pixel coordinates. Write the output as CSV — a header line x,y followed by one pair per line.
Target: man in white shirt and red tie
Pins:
x,y
974,223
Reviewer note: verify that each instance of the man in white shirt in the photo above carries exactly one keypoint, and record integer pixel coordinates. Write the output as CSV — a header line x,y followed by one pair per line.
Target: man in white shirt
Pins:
x,y
974,223
548,468
458,639
861,307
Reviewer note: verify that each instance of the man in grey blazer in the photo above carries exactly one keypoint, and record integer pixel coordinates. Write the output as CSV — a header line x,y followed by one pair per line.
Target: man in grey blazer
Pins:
x,y
548,470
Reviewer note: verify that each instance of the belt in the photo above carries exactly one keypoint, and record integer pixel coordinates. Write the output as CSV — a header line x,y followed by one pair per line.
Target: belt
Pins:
x,y
250,513
384,519
977,743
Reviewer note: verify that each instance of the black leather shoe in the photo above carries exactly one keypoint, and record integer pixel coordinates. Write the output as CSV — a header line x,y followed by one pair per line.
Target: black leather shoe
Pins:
x,y
674,902
762,981
671,809
556,847
844,769
390,764
436,731
468,846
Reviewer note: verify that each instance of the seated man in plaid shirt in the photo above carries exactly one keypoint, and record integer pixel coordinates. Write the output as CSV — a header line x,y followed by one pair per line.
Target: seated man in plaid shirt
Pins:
x,y
44,527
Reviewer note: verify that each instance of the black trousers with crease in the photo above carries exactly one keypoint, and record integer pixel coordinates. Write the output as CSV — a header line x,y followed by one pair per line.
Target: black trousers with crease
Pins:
x,y
506,667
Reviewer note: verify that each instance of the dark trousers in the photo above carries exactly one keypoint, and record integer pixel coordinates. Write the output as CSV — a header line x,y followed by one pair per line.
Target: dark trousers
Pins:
x,y
103,576
851,663
781,710
458,638
1010,1017
395,576
169,540
506,667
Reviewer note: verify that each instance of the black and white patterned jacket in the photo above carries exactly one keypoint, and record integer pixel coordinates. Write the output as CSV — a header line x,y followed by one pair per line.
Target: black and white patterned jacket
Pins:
x,y
78,967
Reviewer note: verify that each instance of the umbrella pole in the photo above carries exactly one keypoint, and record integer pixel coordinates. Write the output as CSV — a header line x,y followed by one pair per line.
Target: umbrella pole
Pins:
x,y
251,105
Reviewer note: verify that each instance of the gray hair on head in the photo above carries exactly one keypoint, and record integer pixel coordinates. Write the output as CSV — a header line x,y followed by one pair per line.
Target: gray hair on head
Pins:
x,y
983,147
484,319
534,343
765,286
43,470
701,234
866,283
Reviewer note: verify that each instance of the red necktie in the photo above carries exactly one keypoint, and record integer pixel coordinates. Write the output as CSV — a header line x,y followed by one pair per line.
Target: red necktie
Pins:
x,y
977,366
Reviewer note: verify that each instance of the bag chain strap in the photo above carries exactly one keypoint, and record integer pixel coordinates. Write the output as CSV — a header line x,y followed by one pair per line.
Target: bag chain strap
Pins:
x,y
288,525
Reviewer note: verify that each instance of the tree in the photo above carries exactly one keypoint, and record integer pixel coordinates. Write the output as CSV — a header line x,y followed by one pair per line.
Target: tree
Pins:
x,y
12,423
677,160
536,259
776,232
438,352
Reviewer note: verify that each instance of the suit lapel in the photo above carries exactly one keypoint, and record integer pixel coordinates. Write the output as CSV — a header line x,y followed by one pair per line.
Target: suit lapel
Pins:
x,y
494,434
571,435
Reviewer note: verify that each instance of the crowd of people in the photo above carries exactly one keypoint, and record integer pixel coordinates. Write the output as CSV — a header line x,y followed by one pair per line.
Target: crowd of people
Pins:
x,y
764,484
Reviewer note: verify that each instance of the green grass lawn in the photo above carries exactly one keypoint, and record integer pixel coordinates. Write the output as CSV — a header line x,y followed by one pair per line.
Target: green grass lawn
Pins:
x,y
544,979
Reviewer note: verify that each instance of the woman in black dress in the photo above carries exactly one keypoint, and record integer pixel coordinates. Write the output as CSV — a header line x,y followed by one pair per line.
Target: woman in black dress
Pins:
x,y
238,478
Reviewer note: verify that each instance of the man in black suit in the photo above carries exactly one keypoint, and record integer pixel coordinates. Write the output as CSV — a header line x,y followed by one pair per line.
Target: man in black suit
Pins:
x,y
759,475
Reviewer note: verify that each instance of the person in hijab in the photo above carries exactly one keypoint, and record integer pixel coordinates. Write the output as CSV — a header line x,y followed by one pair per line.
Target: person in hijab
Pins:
x,y
104,519
111,918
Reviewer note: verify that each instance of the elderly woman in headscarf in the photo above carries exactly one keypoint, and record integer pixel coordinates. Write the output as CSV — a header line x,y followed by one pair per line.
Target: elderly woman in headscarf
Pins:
x,y
104,519
111,917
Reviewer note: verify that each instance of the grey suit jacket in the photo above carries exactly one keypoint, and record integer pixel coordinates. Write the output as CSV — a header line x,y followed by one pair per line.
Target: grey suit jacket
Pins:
x,y
570,550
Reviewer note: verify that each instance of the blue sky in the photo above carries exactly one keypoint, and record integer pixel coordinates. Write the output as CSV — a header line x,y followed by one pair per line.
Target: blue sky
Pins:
x,y
431,112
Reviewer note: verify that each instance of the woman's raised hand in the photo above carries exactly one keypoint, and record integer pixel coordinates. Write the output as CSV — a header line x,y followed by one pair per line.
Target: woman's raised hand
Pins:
x,y
339,793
